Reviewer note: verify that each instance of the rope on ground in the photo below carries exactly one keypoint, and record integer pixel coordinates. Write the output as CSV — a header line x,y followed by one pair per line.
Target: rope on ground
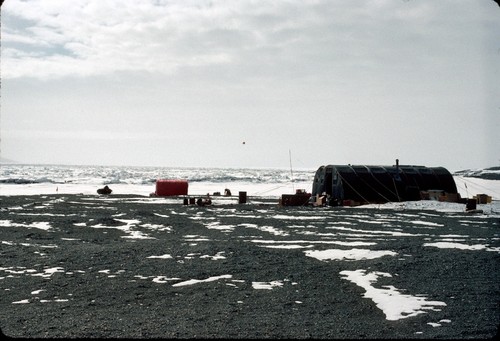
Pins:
x,y
269,190
476,184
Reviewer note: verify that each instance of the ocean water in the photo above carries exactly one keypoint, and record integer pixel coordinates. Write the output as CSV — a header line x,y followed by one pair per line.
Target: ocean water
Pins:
x,y
23,179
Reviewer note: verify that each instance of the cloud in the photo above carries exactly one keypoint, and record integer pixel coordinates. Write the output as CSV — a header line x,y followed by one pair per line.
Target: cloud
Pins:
x,y
358,80
96,37
92,37
83,135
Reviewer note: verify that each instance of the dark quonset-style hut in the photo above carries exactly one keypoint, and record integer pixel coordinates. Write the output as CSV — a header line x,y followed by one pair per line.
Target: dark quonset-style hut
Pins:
x,y
350,184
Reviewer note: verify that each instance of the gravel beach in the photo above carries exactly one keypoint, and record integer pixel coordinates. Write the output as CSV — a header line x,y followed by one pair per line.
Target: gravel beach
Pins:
x,y
84,266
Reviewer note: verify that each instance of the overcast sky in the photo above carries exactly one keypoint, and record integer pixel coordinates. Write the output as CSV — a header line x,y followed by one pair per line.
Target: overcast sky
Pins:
x,y
244,83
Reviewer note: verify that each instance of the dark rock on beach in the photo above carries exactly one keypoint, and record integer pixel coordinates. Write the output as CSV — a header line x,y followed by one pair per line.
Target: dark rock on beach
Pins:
x,y
74,266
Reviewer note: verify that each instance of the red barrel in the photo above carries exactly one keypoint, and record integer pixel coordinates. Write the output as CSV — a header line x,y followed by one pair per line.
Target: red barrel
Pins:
x,y
167,188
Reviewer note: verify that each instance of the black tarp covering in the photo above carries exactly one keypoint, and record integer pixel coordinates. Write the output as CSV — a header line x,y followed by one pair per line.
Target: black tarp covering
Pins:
x,y
379,184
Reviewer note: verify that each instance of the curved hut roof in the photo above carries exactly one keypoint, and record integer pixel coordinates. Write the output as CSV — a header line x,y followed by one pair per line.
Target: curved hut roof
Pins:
x,y
378,184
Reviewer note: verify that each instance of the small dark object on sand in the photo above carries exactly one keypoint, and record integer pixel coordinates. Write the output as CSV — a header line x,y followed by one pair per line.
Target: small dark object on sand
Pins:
x,y
204,202
104,190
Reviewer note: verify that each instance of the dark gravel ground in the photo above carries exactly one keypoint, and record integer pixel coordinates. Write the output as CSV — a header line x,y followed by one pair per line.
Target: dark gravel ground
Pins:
x,y
105,289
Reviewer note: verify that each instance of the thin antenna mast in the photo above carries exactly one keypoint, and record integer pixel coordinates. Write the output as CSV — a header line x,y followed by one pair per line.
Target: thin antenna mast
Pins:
x,y
291,172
